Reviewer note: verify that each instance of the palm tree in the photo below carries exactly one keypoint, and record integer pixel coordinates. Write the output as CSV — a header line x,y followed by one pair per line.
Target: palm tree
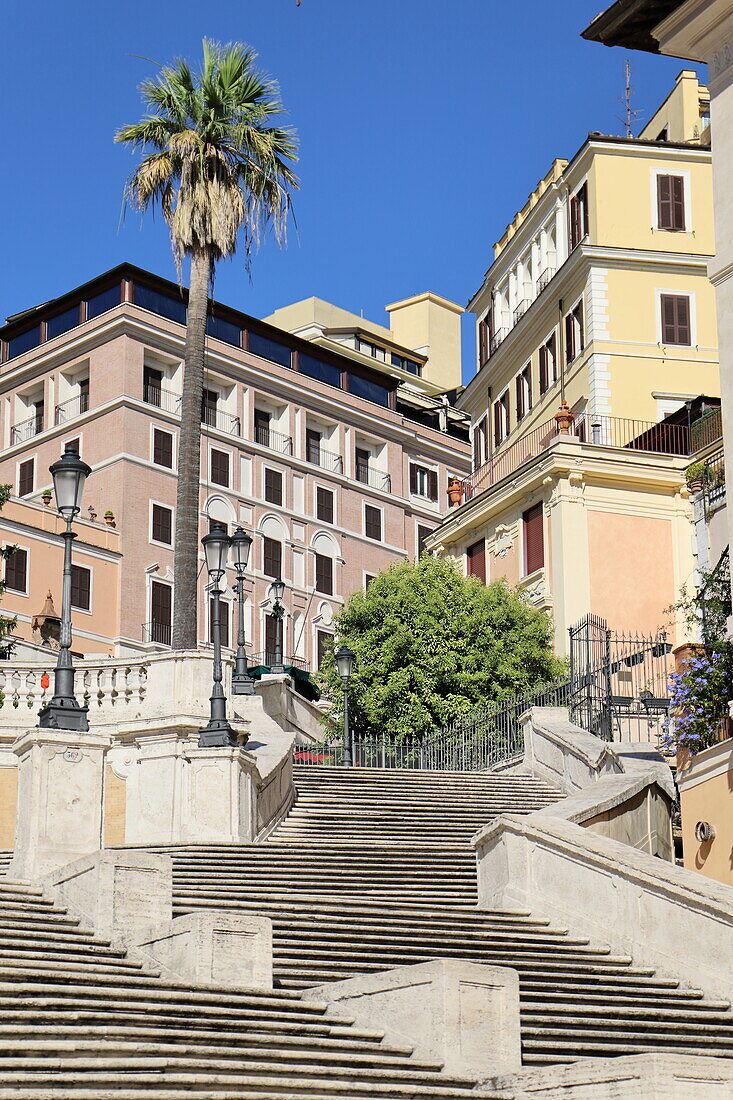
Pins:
x,y
221,173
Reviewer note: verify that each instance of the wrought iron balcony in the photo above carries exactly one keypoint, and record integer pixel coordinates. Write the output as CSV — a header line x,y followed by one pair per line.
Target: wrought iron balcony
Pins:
x,y
268,659
162,399
75,406
377,479
275,441
327,460
26,429
160,633
222,421
544,278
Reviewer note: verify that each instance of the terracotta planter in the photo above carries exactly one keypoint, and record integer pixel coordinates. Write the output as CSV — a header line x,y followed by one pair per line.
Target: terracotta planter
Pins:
x,y
564,419
109,519
455,492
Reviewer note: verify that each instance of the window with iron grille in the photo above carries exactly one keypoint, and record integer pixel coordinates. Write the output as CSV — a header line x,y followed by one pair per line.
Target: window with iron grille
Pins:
x,y
223,618
372,523
675,319
272,558
534,541
16,571
219,467
324,574
162,525
324,505
273,486
26,477
476,561
162,448
81,587
671,203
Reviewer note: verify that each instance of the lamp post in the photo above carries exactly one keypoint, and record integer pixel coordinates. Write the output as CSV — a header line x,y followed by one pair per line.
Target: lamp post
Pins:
x,y
346,663
242,683
218,733
63,711
278,613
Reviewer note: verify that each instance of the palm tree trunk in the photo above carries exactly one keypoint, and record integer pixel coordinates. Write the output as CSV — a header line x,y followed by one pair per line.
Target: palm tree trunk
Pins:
x,y
185,564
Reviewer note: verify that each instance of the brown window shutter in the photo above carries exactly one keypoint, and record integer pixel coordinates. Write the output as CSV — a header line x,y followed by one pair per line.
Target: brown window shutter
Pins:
x,y
490,323
482,343
585,213
678,203
271,558
676,319
534,543
432,484
16,570
544,384
683,320
574,222
664,202
552,357
569,338
476,449
476,561
528,384
413,478
497,424
578,315
520,398
324,574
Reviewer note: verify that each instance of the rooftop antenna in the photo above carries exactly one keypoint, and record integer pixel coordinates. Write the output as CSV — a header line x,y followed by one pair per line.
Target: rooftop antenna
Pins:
x,y
630,114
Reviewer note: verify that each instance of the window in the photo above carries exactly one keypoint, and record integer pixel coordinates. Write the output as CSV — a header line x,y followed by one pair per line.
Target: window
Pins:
x,y
423,482
476,561
372,523
223,619
316,368
324,643
485,335
224,330
262,427
480,443
219,467
162,525
273,486
83,395
162,448
16,571
404,363
269,349
81,587
24,341
272,557
368,578
62,322
313,446
370,391
574,332
274,632
324,574
39,413
152,385
26,477
534,543
103,301
161,608
675,319
362,465
501,418
157,302
671,203
217,524
324,505
548,365
209,399
524,392
422,534
578,216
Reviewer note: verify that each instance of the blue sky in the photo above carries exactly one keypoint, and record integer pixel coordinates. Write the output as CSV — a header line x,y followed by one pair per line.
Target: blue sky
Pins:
x,y
423,126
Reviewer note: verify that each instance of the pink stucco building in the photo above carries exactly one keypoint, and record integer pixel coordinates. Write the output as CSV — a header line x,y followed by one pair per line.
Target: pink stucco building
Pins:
x,y
332,445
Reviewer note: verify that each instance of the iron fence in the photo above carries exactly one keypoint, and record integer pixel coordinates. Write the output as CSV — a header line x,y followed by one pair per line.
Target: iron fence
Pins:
x,y
707,430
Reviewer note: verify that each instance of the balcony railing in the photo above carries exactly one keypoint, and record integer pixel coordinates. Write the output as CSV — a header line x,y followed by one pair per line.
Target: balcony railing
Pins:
x,y
714,483
75,406
269,659
606,431
160,633
327,460
545,277
275,441
708,429
222,421
162,399
377,479
26,429
499,336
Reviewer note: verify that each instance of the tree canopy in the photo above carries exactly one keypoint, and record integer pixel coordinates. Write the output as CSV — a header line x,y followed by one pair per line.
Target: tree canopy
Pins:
x,y
432,645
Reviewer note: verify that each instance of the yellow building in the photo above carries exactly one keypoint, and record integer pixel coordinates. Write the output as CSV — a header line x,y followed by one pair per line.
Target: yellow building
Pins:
x,y
597,298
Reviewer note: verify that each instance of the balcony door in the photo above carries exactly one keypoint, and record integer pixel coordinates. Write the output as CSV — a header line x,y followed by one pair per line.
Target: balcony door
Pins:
x,y
161,612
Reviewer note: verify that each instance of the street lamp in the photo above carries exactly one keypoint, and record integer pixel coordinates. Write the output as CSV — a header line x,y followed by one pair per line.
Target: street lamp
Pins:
x,y
346,663
218,733
278,613
242,683
63,711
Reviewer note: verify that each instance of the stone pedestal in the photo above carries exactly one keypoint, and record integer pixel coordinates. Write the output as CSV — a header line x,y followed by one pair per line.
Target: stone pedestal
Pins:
x,y
221,806
60,788
463,1014
210,947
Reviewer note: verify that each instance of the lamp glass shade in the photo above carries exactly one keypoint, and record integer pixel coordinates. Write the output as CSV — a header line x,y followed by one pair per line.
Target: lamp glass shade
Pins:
x,y
277,589
216,550
345,661
241,544
69,475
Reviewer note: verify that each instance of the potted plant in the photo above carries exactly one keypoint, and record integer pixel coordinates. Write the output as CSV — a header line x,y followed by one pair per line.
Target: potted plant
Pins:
x,y
109,518
697,476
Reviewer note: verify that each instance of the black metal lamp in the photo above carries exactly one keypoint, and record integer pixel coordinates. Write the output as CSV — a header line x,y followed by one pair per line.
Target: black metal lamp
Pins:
x,y
277,588
242,682
63,711
346,663
218,733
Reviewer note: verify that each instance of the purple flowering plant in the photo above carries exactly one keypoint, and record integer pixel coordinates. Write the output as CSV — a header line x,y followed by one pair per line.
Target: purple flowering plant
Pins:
x,y
699,699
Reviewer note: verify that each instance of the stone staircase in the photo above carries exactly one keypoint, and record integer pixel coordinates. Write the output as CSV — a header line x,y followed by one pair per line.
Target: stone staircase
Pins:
x,y
373,870
80,1020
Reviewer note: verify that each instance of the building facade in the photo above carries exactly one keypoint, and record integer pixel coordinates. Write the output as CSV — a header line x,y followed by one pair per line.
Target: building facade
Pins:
x,y
597,318
334,460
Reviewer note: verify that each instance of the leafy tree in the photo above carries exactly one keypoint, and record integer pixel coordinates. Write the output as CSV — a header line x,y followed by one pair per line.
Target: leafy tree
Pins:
x,y
431,645
6,624
221,173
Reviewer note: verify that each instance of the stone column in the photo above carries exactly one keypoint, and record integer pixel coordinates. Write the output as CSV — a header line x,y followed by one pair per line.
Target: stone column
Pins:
x,y
221,796
60,793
